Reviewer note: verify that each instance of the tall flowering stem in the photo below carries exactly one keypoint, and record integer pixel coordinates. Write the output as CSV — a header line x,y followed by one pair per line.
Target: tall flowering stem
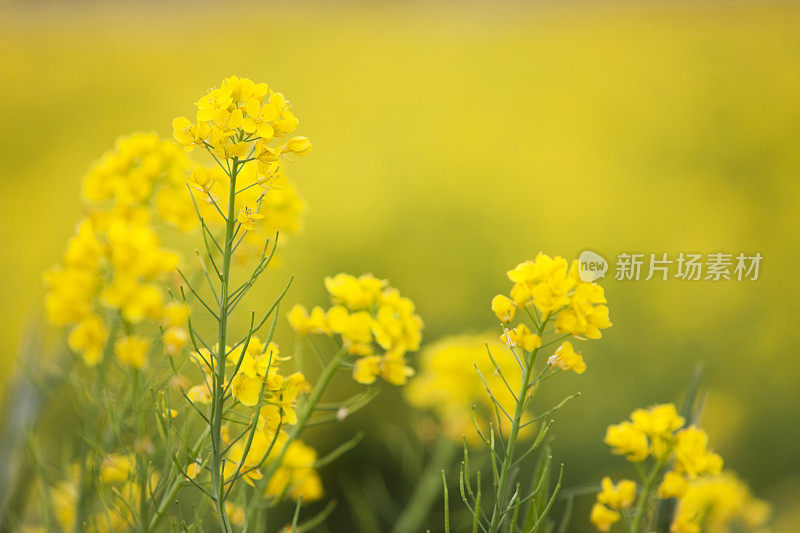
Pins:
x,y
510,453
218,399
236,124
550,292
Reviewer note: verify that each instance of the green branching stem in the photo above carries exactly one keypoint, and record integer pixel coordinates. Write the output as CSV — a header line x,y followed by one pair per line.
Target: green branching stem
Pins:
x,y
639,521
516,422
218,396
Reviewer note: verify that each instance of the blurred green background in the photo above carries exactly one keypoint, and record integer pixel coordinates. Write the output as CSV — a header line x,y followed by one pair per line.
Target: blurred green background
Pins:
x,y
452,141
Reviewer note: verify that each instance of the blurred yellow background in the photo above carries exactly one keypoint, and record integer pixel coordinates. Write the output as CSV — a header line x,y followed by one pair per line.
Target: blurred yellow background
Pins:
x,y
453,141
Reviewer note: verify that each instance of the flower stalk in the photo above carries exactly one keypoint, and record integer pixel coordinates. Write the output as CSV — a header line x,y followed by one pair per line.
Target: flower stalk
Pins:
x,y
218,394
508,458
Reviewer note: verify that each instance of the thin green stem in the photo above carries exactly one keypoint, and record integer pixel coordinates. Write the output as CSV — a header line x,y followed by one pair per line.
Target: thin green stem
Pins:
x,y
644,497
218,395
141,458
508,458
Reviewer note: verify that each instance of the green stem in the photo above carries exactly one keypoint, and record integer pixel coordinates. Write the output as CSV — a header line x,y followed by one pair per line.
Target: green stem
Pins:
x,y
169,496
218,396
508,458
141,460
644,497
428,488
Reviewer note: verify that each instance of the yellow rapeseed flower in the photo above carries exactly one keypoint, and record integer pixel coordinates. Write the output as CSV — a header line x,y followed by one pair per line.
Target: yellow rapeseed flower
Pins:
x,y
672,486
566,358
628,440
247,218
504,308
132,351
521,337
617,496
88,339
603,518
692,456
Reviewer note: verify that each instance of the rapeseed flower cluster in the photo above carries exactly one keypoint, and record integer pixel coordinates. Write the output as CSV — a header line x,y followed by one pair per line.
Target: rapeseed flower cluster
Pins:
x,y
549,289
244,122
115,269
679,464
240,119
374,322
553,286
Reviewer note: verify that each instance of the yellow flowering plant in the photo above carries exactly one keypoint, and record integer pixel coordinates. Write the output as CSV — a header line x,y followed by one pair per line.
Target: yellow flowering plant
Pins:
x,y
131,308
682,487
547,305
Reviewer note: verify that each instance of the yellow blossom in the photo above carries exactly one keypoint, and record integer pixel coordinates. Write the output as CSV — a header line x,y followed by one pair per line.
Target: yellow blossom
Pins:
x,y
692,456
188,134
247,218
619,496
193,469
603,518
203,178
175,314
672,486
503,308
296,474
117,468
448,384
132,351
355,293
259,119
214,101
626,439
371,318
521,337
660,419
367,369
566,358
200,394
242,90
719,503
585,315
175,339
297,146
545,282
236,514
394,369
88,338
